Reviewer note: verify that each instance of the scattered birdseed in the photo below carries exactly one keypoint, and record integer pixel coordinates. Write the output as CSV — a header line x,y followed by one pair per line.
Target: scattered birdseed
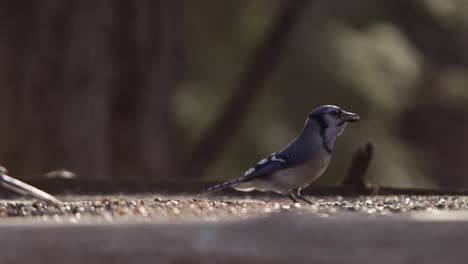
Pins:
x,y
77,209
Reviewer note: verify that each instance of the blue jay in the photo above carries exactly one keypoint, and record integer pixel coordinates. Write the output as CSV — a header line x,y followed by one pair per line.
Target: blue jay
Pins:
x,y
302,161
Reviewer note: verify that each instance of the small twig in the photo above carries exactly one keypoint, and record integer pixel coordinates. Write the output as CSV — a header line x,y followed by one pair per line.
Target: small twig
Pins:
x,y
354,181
26,189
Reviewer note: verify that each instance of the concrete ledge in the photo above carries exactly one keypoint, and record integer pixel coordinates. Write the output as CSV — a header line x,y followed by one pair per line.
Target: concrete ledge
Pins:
x,y
280,238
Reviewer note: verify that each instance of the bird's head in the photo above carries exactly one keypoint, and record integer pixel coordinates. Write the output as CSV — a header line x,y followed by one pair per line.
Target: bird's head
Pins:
x,y
332,119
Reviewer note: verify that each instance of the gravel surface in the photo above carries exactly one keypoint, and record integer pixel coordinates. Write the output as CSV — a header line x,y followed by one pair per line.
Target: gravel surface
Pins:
x,y
157,208
189,229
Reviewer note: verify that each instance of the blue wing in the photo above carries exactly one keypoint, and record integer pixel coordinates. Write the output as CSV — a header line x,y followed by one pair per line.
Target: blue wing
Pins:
x,y
272,163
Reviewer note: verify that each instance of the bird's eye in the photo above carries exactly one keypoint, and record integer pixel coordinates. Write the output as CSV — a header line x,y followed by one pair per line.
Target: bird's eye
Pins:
x,y
334,113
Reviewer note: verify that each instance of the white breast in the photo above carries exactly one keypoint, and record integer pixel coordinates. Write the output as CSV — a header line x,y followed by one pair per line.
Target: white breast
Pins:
x,y
303,174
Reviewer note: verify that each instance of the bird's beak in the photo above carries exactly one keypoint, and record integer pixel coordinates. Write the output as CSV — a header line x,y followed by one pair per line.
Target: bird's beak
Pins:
x,y
349,117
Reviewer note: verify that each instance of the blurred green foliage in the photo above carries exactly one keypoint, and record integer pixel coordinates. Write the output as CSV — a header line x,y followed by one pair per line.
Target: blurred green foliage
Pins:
x,y
354,54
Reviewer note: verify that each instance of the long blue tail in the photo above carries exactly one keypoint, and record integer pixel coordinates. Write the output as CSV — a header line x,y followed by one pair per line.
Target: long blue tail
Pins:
x,y
222,185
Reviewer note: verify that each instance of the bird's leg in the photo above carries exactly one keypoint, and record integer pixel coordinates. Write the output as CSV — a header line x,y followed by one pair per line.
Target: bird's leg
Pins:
x,y
291,196
298,195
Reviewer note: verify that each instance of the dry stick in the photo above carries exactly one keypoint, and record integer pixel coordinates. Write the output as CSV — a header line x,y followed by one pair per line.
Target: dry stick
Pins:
x,y
354,181
213,142
26,189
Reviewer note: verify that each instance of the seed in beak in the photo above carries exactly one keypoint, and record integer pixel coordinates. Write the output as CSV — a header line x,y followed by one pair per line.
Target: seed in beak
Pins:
x,y
350,117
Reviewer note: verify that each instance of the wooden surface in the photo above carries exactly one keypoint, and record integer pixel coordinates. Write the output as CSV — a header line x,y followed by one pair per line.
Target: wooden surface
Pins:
x,y
282,238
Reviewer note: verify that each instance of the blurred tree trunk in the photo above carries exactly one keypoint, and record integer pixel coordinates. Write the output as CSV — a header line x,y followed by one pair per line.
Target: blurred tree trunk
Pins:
x,y
73,73
147,48
54,86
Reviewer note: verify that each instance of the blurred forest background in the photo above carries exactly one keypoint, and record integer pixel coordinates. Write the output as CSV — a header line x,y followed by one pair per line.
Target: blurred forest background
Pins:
x,y
176,90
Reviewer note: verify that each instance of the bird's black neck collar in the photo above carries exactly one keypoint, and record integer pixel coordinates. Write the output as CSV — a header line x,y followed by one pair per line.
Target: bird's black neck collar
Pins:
x,y
323,127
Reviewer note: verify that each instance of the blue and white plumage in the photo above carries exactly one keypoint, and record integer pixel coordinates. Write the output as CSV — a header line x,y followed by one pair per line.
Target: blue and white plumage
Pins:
x,y
299,163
